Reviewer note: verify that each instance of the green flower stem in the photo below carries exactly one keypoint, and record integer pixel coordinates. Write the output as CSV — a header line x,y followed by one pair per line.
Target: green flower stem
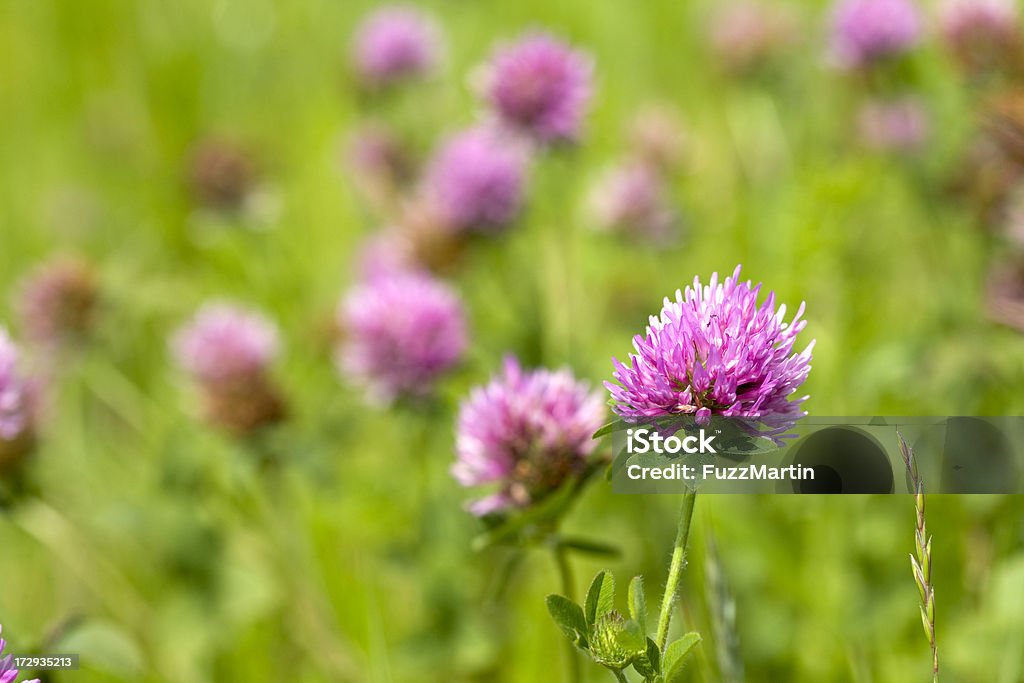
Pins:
x,y
619,676
675,568
566,577
506,571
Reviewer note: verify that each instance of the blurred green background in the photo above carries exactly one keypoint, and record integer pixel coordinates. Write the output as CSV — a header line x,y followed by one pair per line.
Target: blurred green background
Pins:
x,y
155,548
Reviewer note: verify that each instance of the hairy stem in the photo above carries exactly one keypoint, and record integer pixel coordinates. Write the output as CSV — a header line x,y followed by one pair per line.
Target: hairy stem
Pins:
x,y
675,568
619,676
566,576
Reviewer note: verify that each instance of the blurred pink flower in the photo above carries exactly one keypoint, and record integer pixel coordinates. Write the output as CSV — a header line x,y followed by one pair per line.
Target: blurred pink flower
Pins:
x,y
962,19
378,164
865,31
899,124
1006,293
224,342
528,432
400,332
541,86
631,199
419,241
656,136
15,392
57,302
745,33
385,254
221,175
476,180
396,43
981,33
228,350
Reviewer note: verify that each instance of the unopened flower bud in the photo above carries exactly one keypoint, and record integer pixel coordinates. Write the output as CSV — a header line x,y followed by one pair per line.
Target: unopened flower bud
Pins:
x,y
606,642
221,175
58,302
228,351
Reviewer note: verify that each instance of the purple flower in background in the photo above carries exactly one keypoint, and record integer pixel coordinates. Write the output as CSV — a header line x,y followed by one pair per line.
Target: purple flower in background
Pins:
x,y
378,164
631,199
960,19
865,31
224,342
15,392
420,242
714,351
385,254
657,136
526,432
541,86
228,350
396,43
8,674
58,302
900,124
222,175
746,33
476,180
981,33
400,333
1006,293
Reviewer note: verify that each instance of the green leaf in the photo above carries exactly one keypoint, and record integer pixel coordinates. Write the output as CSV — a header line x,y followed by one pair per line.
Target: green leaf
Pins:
x,y
638,602
523,526
648,664
569,617
676,655
111,649
600,597
518,527
617,463
632,637
746,446
615,426
654,655
536,523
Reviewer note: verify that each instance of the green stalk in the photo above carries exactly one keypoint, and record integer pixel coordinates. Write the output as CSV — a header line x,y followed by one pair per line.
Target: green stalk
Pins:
x,y
921,563
619,676
675,568
566,577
